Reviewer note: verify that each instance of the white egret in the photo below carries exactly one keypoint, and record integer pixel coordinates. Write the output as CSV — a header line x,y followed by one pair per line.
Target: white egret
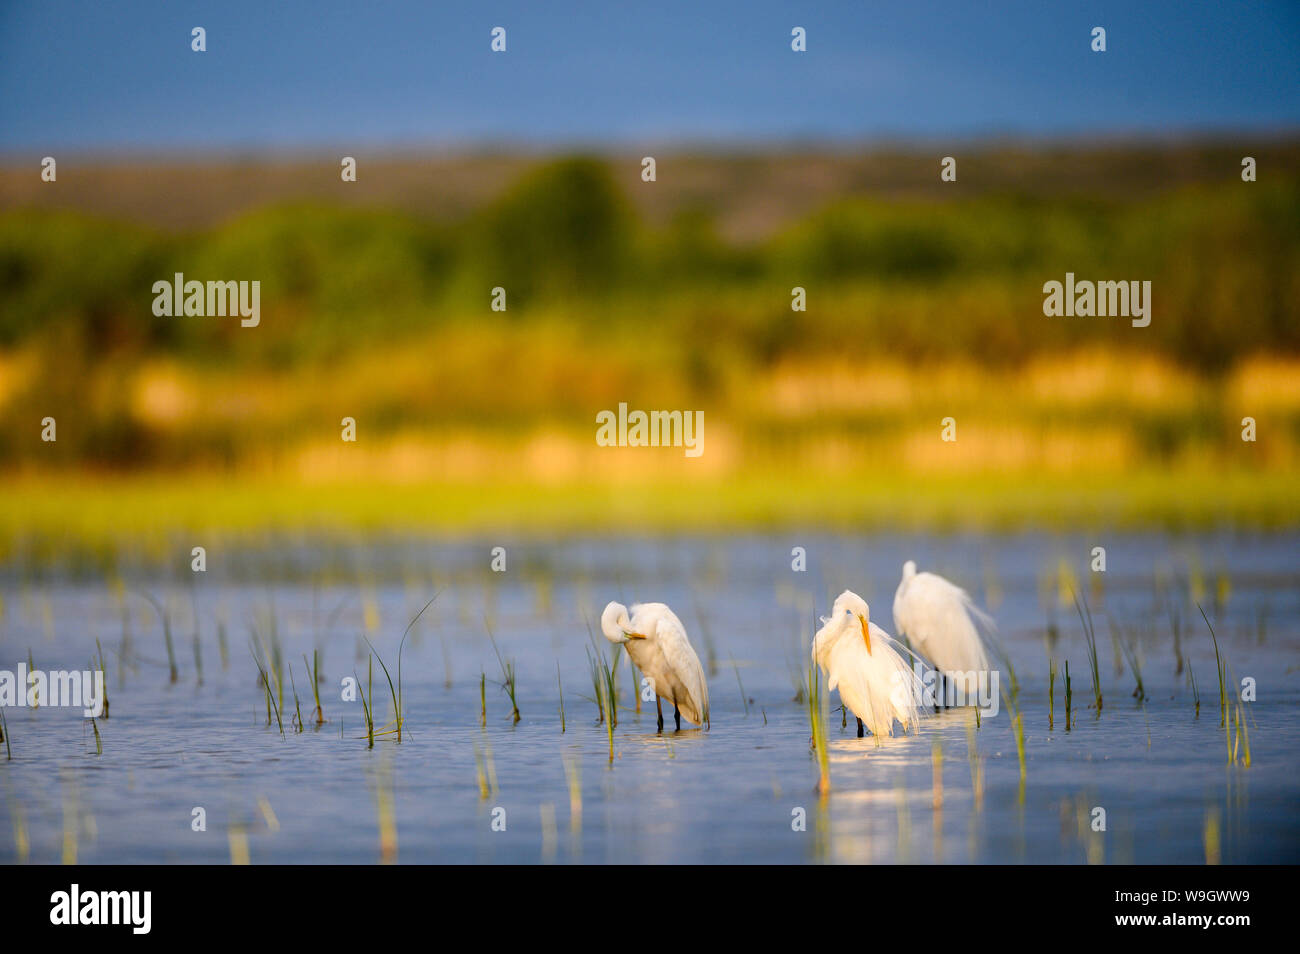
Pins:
x,y
863,661
942,623
656,640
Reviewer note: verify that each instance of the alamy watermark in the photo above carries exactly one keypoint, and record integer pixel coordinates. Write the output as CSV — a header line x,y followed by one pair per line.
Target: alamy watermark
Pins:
x,y
951,689
651,429
179,298
133,909
1086,299
56,688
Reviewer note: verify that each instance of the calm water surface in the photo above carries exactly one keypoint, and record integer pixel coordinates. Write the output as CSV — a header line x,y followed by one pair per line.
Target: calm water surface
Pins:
x,y
951,793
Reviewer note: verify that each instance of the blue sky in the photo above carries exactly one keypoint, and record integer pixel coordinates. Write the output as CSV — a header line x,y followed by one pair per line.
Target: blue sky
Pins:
x,y
117,75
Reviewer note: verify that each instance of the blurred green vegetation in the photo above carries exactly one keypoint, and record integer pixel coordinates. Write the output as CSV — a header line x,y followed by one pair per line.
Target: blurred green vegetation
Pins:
x,y
1223,260
918,307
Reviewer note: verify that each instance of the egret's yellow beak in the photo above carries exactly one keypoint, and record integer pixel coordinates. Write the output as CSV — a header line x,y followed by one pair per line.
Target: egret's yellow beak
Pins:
x,y
633,635
866,633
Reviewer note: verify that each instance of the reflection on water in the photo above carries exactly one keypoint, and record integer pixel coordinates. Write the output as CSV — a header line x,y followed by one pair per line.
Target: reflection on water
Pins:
x,y
1147,780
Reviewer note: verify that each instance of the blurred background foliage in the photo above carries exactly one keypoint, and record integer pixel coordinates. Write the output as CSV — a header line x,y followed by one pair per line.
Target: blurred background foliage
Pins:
x,y
1222,258
922,302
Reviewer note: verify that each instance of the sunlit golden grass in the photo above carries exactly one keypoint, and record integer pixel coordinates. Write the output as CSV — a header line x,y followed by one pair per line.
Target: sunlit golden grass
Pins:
x,y
548,377
1071,438
17,371
163,395
1083,380
42,518
1264,384
546,456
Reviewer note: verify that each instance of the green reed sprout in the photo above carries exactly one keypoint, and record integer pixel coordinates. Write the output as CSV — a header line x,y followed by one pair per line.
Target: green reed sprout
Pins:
x,y
1176,627
271,704
165,615
297,709
560,683
611,682
604,678
594,663
1196,692
609,704
367,698
1134,664
313,671
103,672
1222,666
1090,635
507,674
1051,693
817,722
398,720
743,698
1069,695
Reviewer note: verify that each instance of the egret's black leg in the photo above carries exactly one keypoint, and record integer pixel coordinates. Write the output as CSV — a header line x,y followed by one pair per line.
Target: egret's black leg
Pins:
x,y
861,730
677,715
659,707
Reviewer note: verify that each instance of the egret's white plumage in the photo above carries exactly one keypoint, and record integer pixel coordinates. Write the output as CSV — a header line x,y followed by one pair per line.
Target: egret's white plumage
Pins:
x,y
656,641
864,663
942,623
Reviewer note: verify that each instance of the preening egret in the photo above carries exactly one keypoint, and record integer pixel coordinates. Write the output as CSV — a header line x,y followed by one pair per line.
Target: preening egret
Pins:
x,y
860,658
656,640
941,622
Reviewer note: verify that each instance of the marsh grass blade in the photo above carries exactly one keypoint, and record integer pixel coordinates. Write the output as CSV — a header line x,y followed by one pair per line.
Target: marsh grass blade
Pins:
x,y
1130,650
1051,694
271,704
103,672
560,684
1069,695
1222,666
744,700
313,669
1196,692
507,674
1090,635
366,702
817,715
165,616
297,709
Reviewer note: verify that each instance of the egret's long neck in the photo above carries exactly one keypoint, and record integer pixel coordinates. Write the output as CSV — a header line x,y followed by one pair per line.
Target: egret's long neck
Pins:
x,y
836,629
614,623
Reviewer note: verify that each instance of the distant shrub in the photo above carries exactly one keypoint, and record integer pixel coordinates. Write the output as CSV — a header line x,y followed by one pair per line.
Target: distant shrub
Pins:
x,y
563,230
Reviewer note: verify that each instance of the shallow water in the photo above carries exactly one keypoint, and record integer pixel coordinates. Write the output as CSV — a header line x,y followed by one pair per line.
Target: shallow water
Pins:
x,y
727,795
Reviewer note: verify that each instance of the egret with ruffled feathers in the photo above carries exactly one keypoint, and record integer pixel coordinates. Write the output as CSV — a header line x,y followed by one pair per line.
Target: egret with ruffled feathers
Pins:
x,y
865,664
657,643
943,625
